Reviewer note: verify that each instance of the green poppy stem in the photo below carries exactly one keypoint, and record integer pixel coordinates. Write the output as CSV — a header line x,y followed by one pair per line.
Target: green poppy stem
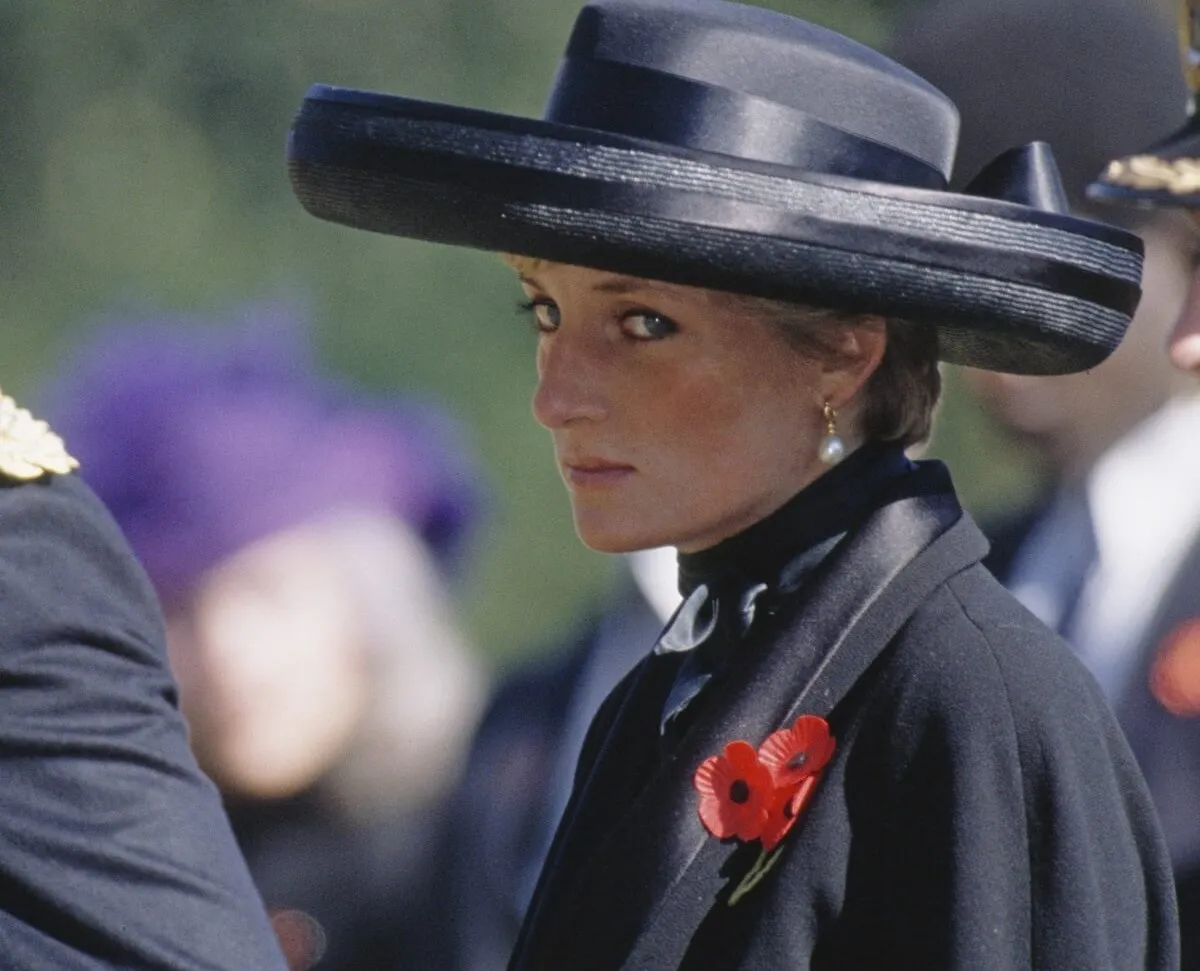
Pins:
x,y
762,866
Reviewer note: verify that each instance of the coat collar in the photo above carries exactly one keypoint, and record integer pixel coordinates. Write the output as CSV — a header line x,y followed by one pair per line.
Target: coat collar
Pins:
x,y
625,852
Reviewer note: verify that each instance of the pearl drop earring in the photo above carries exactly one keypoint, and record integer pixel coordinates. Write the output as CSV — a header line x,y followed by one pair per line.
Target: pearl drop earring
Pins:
x,y
832,449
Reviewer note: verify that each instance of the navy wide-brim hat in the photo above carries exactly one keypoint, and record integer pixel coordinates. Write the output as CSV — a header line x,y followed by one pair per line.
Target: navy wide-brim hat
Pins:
x,y
734,148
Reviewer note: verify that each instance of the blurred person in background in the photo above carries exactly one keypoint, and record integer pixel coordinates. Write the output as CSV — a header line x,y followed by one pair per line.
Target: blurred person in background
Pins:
x,y
1165,176
502,818
1109,553
299,536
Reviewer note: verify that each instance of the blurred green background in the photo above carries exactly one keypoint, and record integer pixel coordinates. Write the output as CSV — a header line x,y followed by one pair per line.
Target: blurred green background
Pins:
x,y
143,170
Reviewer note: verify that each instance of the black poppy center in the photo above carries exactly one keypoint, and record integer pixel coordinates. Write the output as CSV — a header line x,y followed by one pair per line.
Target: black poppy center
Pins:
x,y
739,791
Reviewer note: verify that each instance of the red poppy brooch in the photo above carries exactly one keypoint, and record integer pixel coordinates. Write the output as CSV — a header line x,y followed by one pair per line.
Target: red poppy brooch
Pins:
x,y
1175,676
750,794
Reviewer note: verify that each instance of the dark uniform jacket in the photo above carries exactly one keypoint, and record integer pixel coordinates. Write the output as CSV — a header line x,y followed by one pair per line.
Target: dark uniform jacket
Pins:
x,y
1166,745
114,850
982,811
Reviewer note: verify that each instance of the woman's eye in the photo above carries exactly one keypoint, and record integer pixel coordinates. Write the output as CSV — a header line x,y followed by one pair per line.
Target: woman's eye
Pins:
x,y
648,326
546,315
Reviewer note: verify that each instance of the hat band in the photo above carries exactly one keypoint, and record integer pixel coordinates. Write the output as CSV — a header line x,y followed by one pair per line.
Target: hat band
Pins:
x,y
645,103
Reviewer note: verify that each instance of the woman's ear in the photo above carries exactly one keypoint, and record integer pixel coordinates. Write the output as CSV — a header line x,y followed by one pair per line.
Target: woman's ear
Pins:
x,y
859,355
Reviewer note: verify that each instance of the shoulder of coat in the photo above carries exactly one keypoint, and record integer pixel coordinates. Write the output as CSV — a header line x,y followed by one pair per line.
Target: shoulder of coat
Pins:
x,y
28,448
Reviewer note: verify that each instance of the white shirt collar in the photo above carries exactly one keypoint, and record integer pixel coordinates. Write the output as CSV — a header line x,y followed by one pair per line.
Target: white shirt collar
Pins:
x,y
1144,492
1144,498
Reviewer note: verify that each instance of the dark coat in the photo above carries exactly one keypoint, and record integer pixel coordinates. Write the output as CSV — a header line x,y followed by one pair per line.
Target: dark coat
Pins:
x,y
114,850
1166,746
504,810
982,811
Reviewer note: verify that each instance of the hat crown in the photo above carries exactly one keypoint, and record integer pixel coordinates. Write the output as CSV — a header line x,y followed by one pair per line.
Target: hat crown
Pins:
x,y
769,57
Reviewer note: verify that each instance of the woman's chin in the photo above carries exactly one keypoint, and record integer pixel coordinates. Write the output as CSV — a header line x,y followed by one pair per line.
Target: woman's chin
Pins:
x,y
605,543
615,537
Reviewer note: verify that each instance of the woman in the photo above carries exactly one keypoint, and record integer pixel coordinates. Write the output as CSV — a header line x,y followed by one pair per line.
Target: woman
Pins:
x,y
301,554
850,748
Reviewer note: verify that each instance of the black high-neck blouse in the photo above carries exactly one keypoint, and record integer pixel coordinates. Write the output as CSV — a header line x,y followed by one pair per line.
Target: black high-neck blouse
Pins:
x,y
728,586
827,508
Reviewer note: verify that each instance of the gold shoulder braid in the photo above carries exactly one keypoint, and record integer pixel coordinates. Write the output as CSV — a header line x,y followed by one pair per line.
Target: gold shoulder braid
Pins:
x,y
28,448
1180,176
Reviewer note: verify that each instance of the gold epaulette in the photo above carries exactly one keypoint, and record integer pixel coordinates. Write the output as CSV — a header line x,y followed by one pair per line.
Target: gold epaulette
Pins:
x,y
28,448
1180,176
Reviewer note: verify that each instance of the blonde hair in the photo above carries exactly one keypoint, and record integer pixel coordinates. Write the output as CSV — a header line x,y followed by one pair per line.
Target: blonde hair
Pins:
x,y
524,264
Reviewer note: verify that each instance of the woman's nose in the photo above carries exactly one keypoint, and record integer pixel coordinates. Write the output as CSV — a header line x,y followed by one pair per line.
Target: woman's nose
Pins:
x,y
570,382
1185,341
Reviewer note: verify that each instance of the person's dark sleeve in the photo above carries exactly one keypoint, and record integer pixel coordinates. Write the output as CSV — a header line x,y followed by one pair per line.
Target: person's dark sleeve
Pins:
x,y
1013,829
114,848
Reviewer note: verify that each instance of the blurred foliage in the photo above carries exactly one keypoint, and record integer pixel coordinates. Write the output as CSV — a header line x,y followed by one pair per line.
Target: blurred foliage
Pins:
x,y
143,169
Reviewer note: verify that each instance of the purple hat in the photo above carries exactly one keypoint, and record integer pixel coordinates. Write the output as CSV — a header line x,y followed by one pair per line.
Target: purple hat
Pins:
x,y
202,439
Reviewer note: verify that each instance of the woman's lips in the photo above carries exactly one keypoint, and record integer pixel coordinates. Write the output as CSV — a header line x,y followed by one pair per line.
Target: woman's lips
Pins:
x,y
588,472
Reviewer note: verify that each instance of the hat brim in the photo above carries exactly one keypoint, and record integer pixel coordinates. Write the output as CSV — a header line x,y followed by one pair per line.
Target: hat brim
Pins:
x,y
1009,287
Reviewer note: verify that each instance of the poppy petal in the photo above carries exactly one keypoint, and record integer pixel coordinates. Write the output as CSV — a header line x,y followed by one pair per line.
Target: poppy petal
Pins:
x,y
735,792
785,810
798,751
704,780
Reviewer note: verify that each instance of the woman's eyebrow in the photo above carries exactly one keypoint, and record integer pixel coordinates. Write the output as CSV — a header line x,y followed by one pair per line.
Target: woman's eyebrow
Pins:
x,y
620,284
632,284
615,284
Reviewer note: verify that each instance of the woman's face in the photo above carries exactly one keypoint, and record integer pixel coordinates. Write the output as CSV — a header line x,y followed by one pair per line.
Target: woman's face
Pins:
x,y
675,419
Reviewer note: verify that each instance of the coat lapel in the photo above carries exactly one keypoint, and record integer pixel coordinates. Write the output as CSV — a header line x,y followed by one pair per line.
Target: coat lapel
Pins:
x,y
635,873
